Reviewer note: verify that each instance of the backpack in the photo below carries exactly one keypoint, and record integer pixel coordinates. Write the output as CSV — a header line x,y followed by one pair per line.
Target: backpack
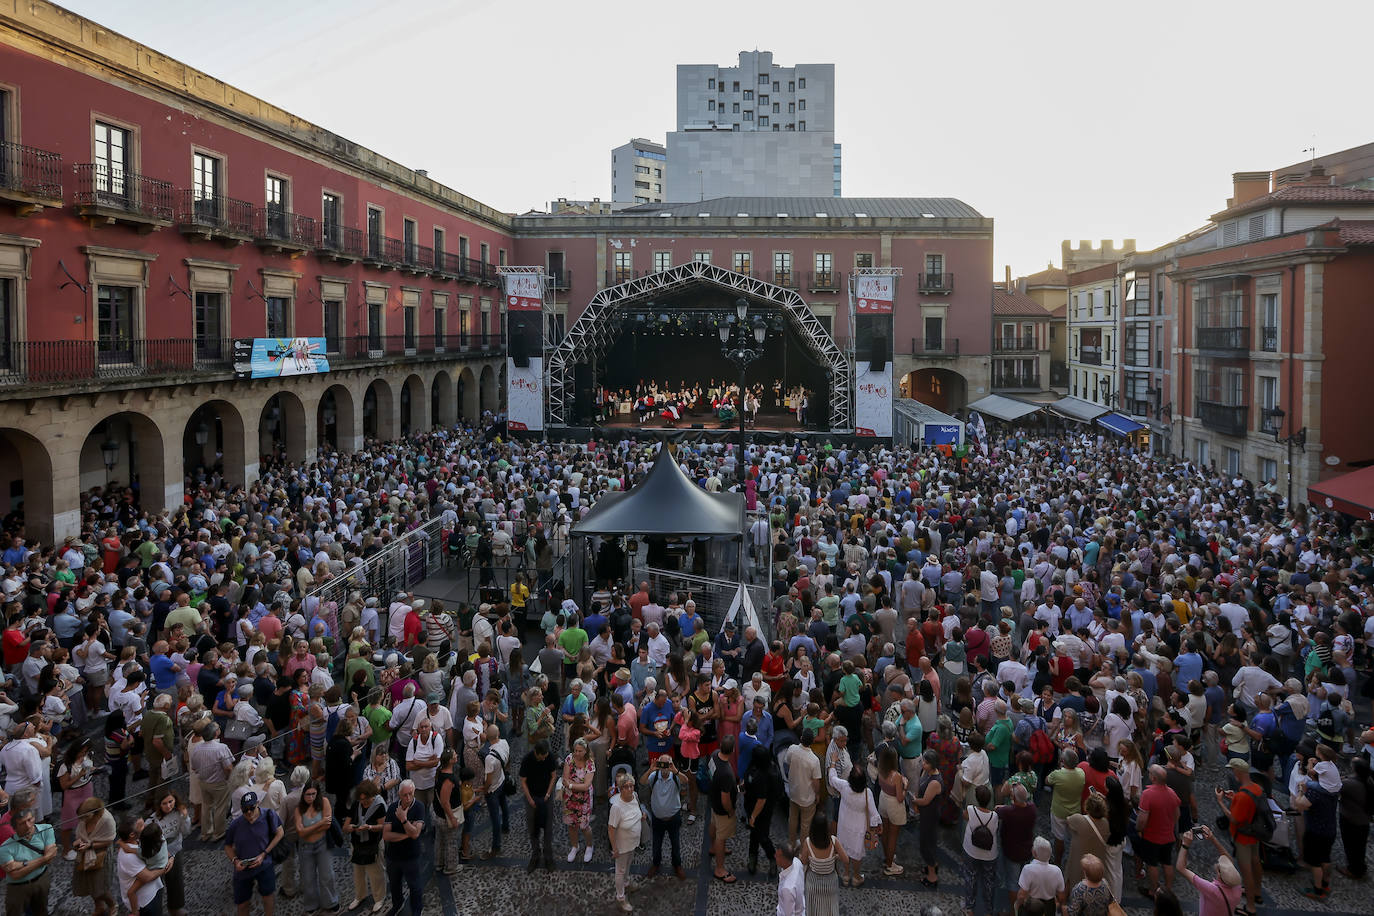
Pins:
x,y
1041,747
982,837
1261,825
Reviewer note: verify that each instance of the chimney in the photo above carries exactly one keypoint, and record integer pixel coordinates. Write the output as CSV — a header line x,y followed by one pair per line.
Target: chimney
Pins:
x,y
1008,286
422,173
1247,186
1317,177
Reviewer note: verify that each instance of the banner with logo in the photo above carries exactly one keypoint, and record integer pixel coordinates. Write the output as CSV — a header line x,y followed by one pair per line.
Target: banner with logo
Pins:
x,y
873,401
273,357
525,395
873,295
524,292
941,434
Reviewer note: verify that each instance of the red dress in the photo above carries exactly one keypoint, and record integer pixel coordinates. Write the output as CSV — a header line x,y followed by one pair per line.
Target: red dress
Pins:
x,y
773,671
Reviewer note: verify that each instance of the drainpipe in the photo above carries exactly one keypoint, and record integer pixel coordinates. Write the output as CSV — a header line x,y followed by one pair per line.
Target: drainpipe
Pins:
x,y
1292,406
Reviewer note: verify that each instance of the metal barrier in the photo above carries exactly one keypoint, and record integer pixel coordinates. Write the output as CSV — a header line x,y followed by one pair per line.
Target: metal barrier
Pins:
x,y
713,598
405,562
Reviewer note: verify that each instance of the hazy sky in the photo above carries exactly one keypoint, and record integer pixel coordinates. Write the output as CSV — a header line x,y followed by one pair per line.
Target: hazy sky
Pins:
x,y
1059,120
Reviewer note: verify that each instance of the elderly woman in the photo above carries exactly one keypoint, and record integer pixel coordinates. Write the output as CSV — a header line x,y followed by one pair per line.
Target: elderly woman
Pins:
x,y
271,790
858,812
94,865
579,771
1091,896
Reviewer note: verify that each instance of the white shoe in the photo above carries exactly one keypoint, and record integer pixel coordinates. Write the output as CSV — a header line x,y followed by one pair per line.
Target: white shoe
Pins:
x,y
572,854
379,905
587,856
625,905
71,855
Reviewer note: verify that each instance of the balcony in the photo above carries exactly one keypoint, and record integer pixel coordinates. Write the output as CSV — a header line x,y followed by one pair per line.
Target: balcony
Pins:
x,y
1090,356
215,217
103,196
1226,342
281,230
1137,407
480,271
383,252
418,259
787,279
346,351
342,243
1228,419
1015,345
935,284
30,179
1015,382
1269,339
562,279
935,347
823,281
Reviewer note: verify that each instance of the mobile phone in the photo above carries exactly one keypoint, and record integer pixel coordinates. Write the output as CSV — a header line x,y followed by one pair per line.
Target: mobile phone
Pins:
x,y
1199,831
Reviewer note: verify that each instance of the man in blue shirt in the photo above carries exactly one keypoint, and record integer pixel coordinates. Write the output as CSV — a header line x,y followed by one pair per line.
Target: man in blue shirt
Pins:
x,y
1188,665
655,723
765,719
165,670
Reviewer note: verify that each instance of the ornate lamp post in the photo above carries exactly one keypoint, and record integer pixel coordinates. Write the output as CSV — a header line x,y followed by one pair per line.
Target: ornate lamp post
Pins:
x,y
742,343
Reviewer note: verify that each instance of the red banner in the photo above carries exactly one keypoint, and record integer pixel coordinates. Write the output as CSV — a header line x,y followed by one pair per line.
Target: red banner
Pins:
x,y
524,292
874,294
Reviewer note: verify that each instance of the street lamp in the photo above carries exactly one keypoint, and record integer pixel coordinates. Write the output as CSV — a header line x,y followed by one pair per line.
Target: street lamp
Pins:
x,y
202,434
735,346
1273,420
109,453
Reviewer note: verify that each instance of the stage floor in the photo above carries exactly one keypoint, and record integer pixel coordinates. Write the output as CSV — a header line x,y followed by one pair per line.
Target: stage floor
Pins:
x,y
768,422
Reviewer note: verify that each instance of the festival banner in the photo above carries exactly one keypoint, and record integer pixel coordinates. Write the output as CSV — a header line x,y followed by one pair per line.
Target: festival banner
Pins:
x,y
525,395
874,294
273,357
524,292
941,434
873,401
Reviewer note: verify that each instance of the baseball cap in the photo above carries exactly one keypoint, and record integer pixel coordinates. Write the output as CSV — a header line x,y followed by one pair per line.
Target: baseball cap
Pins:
x,y
1239,765
249,801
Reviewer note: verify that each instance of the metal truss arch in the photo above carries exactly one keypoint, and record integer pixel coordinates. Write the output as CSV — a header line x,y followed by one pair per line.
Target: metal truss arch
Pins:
x,y
596,328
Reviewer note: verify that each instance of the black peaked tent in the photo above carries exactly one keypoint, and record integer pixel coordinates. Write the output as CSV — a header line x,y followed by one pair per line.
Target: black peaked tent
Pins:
x,y
665,504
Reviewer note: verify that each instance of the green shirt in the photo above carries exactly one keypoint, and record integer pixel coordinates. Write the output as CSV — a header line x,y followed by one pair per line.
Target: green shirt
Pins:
x,y
1068,791
571,641
830,609
380,719
849,689
15,851
998,744
147,552
699,639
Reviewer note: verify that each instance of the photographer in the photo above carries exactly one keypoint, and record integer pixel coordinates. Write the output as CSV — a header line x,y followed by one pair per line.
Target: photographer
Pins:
x,y
1220,896
665,784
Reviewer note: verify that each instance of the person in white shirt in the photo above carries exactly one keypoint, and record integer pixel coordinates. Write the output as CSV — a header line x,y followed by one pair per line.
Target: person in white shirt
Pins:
x,y
623,826
396,618
791,882
422,759
658,647
1040,880
494,767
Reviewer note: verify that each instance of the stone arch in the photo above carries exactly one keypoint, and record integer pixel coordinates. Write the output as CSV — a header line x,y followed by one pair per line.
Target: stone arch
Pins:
x,y
337,420
214,439
488,399
590,336
27,487
379,411
469,395
414,406
443,405
282,427
943,389
139,452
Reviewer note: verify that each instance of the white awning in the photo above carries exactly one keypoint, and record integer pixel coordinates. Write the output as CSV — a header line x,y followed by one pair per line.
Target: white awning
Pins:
x,y
1078,409
1004,408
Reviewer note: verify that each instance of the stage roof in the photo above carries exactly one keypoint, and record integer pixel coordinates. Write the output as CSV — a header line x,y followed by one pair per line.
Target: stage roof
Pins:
x,y
667,504
809,207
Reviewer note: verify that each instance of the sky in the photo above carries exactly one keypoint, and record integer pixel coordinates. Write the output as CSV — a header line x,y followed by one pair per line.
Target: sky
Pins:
x,y
1060,120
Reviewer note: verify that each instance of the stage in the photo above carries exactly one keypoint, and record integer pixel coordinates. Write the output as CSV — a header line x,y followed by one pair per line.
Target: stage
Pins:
x,y
777,422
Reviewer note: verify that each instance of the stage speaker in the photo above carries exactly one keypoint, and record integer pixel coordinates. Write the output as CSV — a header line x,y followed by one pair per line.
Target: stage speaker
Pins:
x,y
877,354
519,351
584,400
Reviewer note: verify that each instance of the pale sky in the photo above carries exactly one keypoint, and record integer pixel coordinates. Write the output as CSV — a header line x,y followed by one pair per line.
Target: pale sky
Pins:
x,y
1083,120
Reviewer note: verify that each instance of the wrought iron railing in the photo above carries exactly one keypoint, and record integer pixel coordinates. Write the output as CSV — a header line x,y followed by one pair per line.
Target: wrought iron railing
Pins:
x,y
1230,419
1014,344
936,283
1235,340
137,196
935,346
1269,339
273,224
215,213
345,241
29,171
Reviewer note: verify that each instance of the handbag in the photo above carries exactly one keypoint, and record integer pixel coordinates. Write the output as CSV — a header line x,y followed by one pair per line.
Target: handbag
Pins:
x,y
873,835
91,859
237,730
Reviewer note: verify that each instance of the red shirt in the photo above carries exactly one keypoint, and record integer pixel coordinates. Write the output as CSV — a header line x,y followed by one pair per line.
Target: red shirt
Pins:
x,y
773,671
1094,779
1061,669
1242,813
16,647
915,647
1163,804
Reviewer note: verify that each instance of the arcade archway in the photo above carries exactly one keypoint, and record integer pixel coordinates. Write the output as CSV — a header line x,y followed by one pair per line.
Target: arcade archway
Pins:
x,y
335,419
943,389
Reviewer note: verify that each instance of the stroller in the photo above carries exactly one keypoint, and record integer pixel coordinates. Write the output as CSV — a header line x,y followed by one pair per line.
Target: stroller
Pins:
x,y
1278,854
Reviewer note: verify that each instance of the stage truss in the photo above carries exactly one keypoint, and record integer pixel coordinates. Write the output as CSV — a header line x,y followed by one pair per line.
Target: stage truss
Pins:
x,y
598,325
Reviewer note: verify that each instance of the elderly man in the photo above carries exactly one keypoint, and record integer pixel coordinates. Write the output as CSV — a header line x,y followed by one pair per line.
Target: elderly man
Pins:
x,y
407,715
1039,879
422,752
25,858
496,767
754,652
22,762
211,761
658,647
405,821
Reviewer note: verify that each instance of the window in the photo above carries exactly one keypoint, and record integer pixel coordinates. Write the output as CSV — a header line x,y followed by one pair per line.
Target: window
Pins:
x,y
408,317
7,326
748,115
743,262
701,257
278,316
711,83
710,104
331,209
749,95
115,330
801,83
205,185
642,185
734,108
824,262
277,200
1268,470
1232,460
801,104
763,100
624,266
408,230
763,79
111,161
440,335
374,326
775,85
663,260
658,173
791,85
863,259
801,125
641,170
463,247
374,232
935,268
209,325
791,107
333,320
486,253
934,332
777,108
1269,322
734,87
1204,457
438,247
763,120
501,256
777,127
782,268
1269,394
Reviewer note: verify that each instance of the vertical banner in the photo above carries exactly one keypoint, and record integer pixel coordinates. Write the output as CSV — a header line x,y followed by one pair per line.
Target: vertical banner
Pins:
x,y
873,400
525,395
524,292
874,294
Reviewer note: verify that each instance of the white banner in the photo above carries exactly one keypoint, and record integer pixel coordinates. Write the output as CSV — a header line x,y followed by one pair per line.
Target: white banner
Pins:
x,y
873,401
524,292
874,294
525,395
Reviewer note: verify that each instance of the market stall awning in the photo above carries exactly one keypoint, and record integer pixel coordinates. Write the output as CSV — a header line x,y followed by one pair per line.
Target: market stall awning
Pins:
x,y
1078,409
1122,426
1351,493
1004,408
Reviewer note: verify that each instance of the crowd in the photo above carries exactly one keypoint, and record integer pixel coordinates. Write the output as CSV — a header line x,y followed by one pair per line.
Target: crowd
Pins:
x,y
955,644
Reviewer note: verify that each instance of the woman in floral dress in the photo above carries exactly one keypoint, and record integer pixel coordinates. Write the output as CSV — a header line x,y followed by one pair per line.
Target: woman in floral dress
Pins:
x,y
946,748
297,737
578,773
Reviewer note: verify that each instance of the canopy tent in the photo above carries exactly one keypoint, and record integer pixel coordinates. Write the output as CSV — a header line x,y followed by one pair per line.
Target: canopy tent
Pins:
x,y
1004,408
1077,409
665,504
1122,426
1351,493
918,422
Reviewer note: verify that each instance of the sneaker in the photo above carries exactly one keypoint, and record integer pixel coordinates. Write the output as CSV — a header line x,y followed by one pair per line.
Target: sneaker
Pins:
x,y
587,856
893,870
625,906
71,855
572,854
378,906
691,818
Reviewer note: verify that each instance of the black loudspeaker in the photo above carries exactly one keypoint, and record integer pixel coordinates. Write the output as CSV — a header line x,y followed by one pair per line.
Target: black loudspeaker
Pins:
x,y
877,354
584,402
519,351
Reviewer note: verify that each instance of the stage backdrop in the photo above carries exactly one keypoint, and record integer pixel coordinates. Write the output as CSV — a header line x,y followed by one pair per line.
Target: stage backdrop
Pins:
x,y
873,400
525,395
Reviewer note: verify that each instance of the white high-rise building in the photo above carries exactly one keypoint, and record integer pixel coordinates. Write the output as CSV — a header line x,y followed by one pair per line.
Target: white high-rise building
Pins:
x,y
754,130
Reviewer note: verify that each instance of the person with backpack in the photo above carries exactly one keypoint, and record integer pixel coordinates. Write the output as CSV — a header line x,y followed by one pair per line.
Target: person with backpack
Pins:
x,y
665,784
1251,824
981,827
250,842
762,787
